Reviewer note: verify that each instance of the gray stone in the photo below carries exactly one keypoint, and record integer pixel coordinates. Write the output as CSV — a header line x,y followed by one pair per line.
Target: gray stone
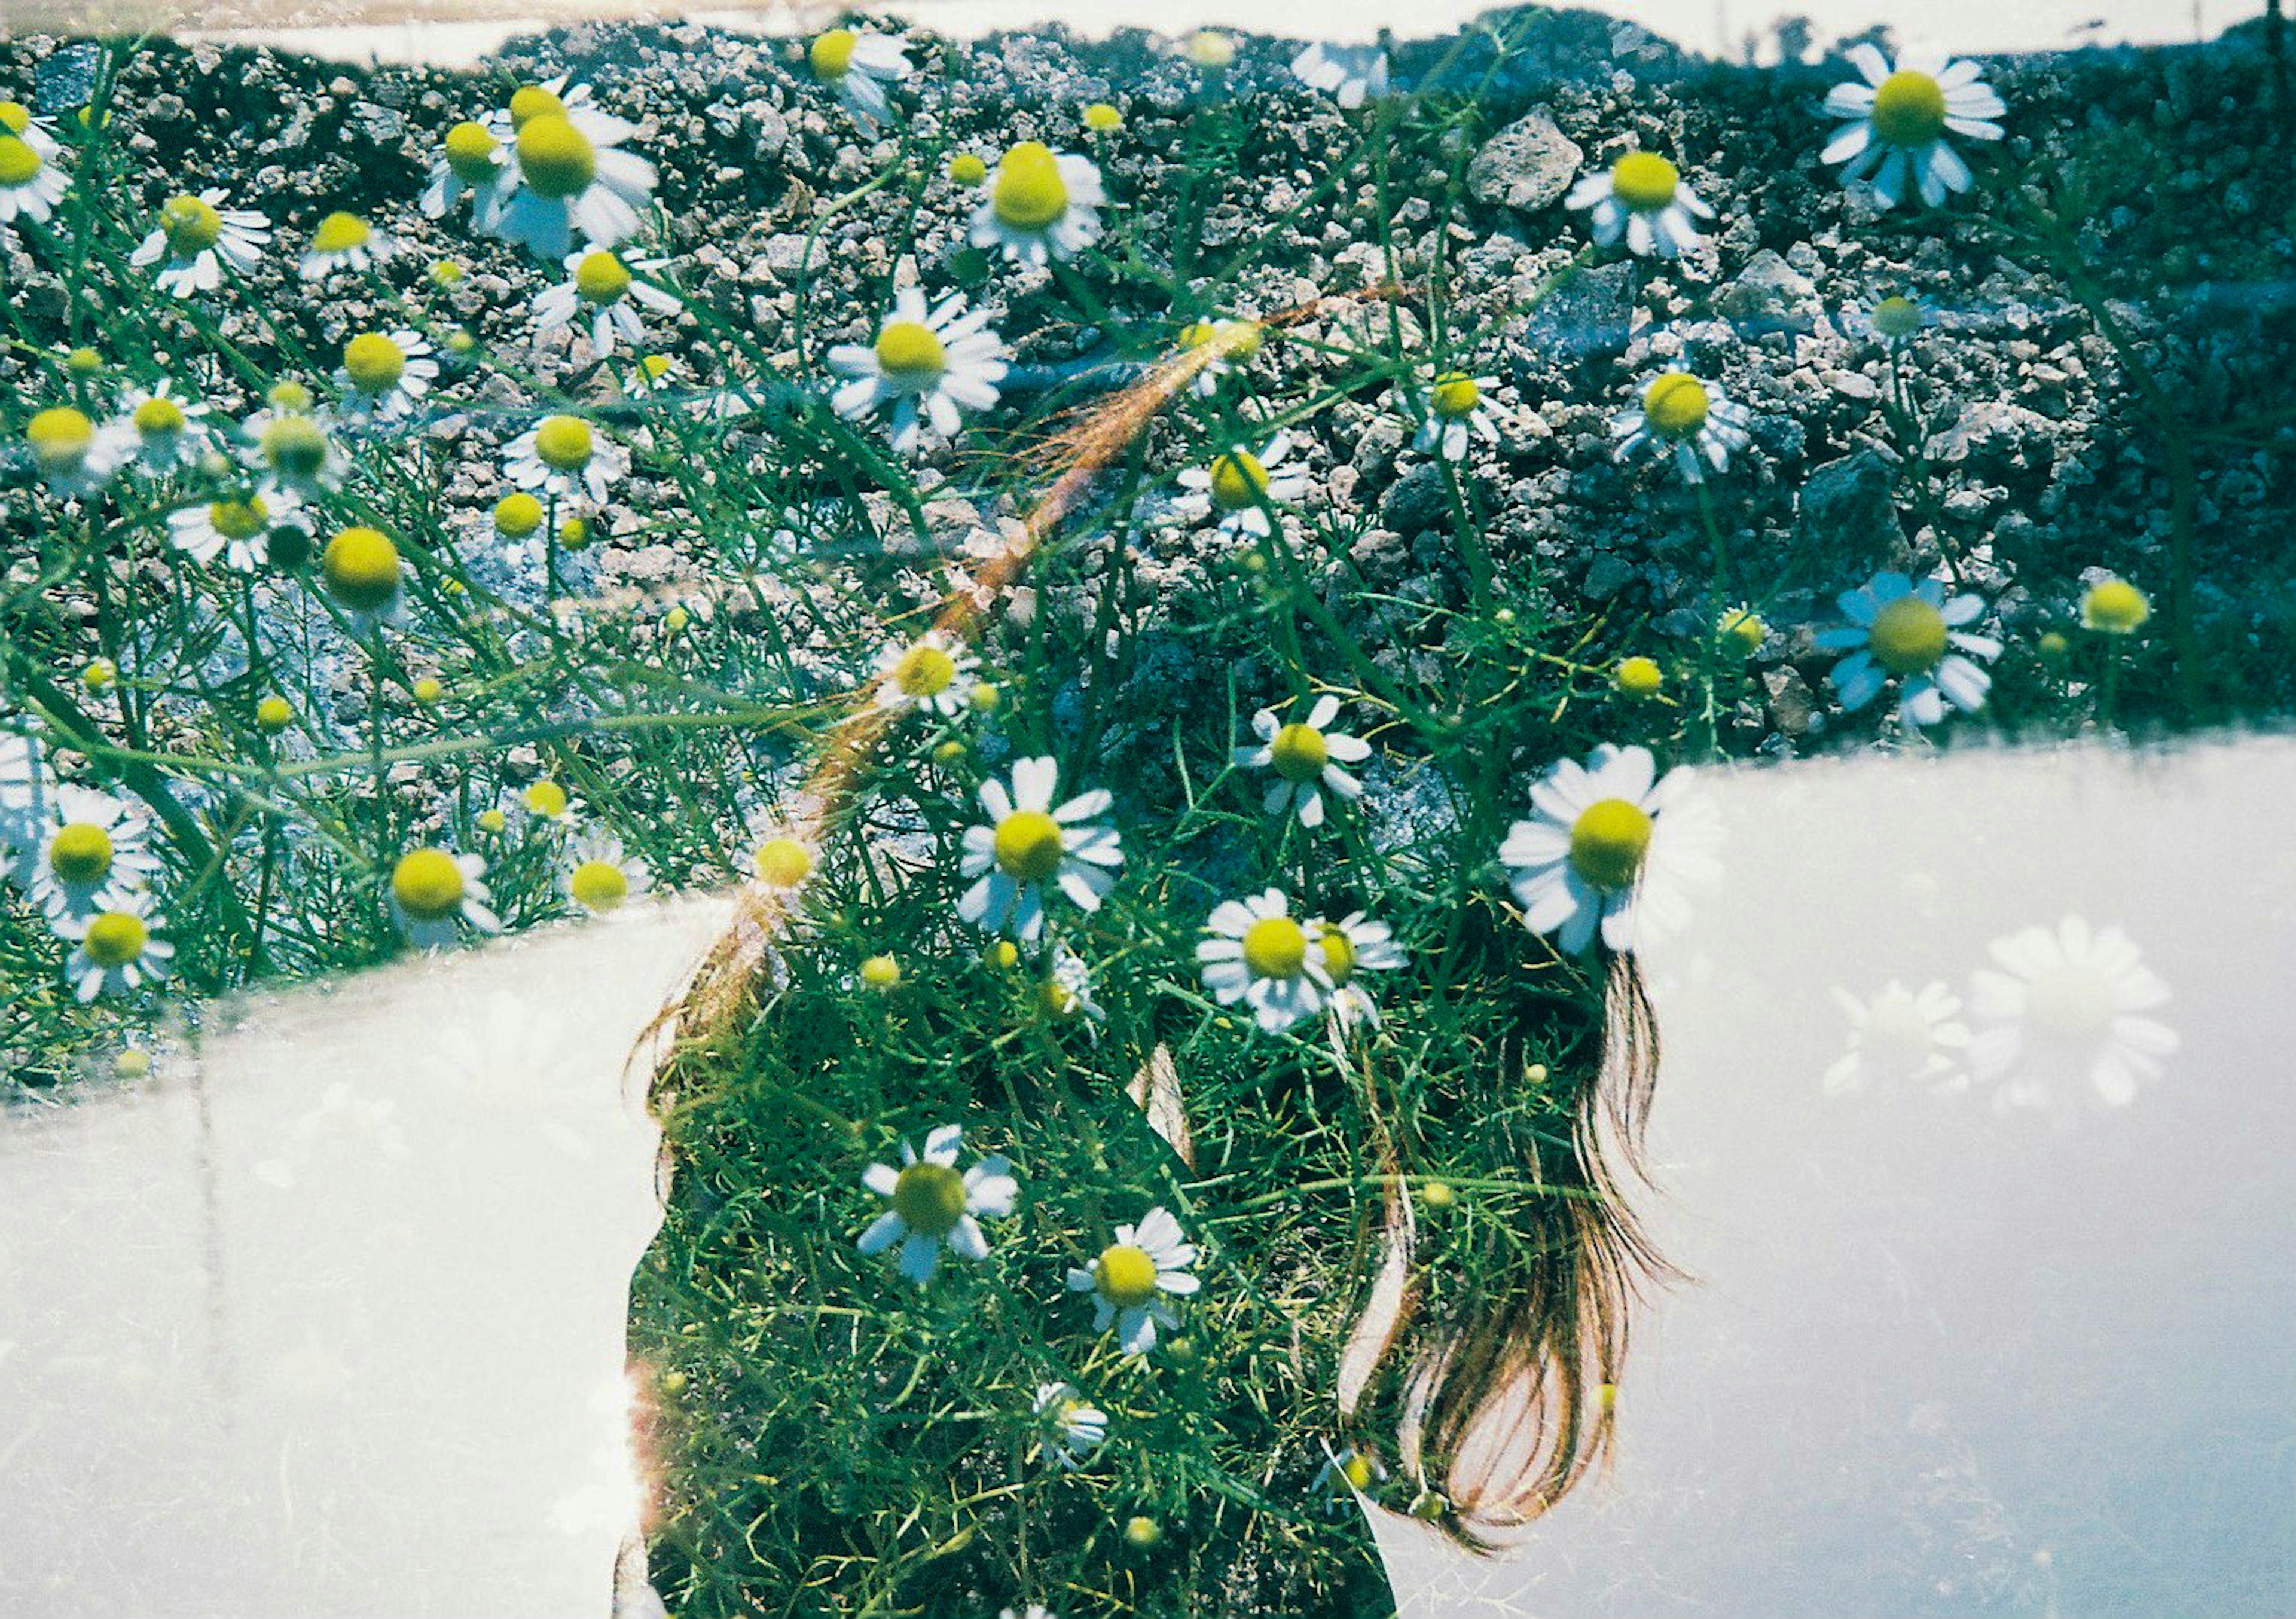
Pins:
x,y
1846,505
1526,166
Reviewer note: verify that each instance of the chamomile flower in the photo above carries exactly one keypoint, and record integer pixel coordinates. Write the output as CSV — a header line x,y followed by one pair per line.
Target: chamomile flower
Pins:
x,y
1236,488
784,859
566,458
31,183
1305,756
198,237
364,576
602,288
1029,845
1042,205
118,949
384,375
1229,345
292,452
1073,1429
857,64
159,431
1641,197
92,855
600,876
564,174
344,241
1902,115
1351,74
75,457
1454,411
1349,947
1912,633
1066,990
925,362
1134,1275
29,126
932,673
1345,1474
1895,320
2113,606
2069,1004
235,528
1256,951
1685,417
544,799
470,159
1210,50
1593,840
934,1207
434,893
1901,1037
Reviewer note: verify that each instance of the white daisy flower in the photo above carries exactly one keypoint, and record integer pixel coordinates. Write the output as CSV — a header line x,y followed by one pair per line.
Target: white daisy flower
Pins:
x,y
117,950
197,237
1348,948
75,457
601,877
384,375
932,673
2067,1004
1041,205
602,288
1895,319
1236,487
433,891
364,577
1066,992
1231,343
564,174
36,132
857,64
344,242
933,1207
1914,633
470,159
31,183
1352,74
1901,1038
544,799
236,529
1133,1275
161,432
1257,953
1074,1429
1305,755
1346,1474
1683,416
90,857
1577,865
1642,197
1456,410
565,457
293,455
1029,844
925,363
1902,116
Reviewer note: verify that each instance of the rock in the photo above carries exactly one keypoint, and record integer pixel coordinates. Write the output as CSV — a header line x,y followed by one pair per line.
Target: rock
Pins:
x,y
1769,288
1846,507
1526,166
1587,314
1606,577
1791,701
1419,500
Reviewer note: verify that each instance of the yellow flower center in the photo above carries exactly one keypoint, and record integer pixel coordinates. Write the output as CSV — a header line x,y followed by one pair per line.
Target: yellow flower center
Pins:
x,y
966,169
1354,1468
1645,181
1030,193
784,863
159,417
289,398
339,232
84,363
601,278
470,149
528,102
1300,753
833,54
18,161
546,798
1676,405
1897,318
80,855
16,117
60,438
1909,109
373,363
1908,636
2114,607
556,159
1275,947
563,443
1102,118
573,534
907,351
116,938
930,1198
1455,395
275,713
1608,842
599,884
517,516
191,224
881,972
294,446
1638,677
2070,1003
428,885
924,670
492,820
656,366
1338,954
1125,1275
1743,629
1057,999
361,569
239,520
1238,480
1028,846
